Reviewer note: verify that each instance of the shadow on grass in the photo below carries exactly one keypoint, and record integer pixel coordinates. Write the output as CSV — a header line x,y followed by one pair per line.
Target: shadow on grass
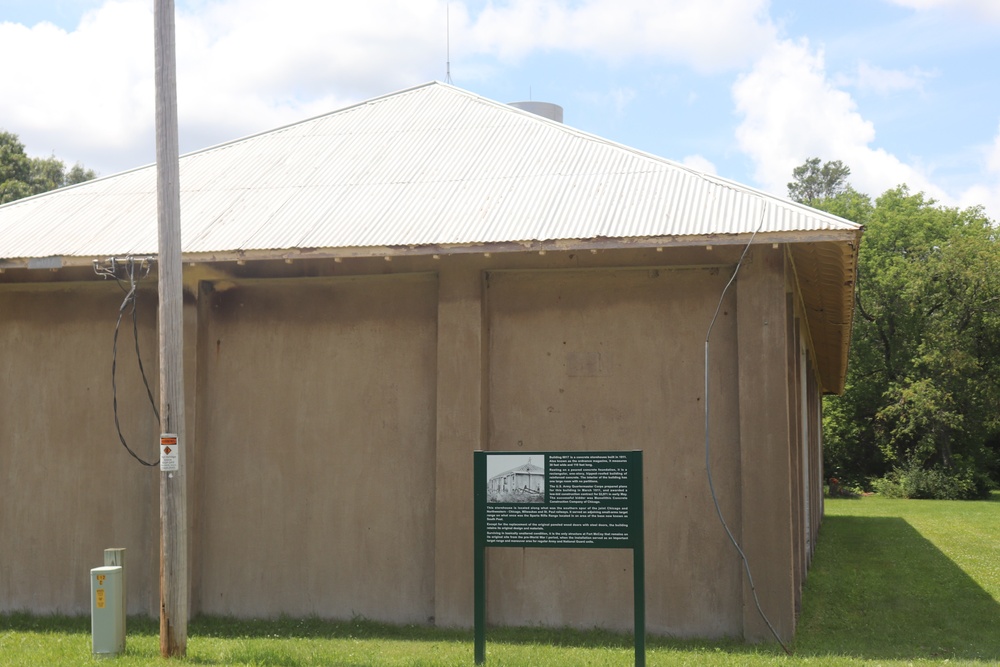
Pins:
x,y
879,590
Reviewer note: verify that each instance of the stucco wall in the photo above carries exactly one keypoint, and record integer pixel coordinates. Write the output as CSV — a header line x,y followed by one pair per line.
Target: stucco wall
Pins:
x,y
69,489
613,359
333,409
316,438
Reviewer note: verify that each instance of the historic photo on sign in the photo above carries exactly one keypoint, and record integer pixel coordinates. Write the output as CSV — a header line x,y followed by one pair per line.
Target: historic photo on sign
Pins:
x,y
515,478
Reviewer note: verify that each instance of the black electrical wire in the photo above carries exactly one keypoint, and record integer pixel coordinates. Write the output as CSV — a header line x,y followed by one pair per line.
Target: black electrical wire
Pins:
x,y
130,299
708,462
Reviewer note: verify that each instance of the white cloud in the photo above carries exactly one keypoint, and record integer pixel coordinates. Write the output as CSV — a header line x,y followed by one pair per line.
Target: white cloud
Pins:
x,y
987,194
244,66
281,62
993,155
308,48
792,111
616,99
82,91
622,98
708,35
699,163
989,9
871,78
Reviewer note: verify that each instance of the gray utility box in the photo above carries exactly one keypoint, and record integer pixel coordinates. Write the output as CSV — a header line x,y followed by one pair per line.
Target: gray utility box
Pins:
x,y
106,612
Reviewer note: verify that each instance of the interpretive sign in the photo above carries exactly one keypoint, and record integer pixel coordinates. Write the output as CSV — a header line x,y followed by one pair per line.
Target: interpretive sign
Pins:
x,y
563,500
576,499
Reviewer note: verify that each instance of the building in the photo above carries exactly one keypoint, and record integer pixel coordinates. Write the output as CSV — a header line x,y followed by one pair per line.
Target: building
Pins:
x,y
527,478
372,295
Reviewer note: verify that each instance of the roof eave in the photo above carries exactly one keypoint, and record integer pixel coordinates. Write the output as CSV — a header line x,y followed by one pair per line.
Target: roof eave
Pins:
x,y
599,243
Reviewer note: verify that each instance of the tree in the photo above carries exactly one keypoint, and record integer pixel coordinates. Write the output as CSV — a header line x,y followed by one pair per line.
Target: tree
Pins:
x,y
23,176
15,169
77,174
814,182
921,407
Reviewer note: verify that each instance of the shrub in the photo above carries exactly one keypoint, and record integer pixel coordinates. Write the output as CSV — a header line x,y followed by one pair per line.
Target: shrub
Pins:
x,y
888,486
936,483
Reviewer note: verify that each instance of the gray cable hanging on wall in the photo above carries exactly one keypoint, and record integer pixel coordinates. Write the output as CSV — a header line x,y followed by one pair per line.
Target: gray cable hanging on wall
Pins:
x,y
708,462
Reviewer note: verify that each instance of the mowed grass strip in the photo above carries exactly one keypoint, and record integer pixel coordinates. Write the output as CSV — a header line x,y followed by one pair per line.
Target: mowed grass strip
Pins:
x,y
32,640
905,579
893,582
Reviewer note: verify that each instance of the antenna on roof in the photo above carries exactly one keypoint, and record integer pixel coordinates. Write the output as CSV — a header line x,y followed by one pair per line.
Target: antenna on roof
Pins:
x,y
447,18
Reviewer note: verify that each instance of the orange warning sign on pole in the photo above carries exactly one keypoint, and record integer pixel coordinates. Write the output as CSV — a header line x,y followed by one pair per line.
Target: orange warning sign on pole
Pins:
x,y
170,450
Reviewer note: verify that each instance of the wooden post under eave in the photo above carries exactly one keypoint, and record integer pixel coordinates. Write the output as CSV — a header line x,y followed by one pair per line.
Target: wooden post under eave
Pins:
x,y
173,492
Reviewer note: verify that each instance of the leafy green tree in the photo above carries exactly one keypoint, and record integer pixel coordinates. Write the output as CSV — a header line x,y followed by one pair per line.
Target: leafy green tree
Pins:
x,y
813,181
23,176
46,174
921,407
77,174
15,169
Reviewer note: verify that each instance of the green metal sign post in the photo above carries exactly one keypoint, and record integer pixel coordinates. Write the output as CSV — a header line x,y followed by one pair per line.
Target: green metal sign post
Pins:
x,y
590,500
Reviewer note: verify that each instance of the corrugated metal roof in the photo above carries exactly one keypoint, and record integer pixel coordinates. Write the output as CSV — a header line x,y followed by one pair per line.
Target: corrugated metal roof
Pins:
x,y
430,166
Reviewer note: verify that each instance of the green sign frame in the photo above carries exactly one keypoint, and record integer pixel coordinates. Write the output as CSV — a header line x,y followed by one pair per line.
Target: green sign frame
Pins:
x,y
553,499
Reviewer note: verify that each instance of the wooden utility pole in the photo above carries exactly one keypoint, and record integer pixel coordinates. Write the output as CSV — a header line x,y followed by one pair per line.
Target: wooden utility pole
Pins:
x,y
173,491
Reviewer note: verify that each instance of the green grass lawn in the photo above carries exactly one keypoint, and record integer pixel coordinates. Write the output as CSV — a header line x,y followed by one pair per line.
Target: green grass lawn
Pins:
x,y
905,579
894,582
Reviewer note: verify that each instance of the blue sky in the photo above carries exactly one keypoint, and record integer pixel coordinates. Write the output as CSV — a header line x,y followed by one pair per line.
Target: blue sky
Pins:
x,y
903,91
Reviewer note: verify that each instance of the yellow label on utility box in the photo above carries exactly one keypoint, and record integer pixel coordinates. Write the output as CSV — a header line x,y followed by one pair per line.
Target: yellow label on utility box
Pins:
x,y
100,598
